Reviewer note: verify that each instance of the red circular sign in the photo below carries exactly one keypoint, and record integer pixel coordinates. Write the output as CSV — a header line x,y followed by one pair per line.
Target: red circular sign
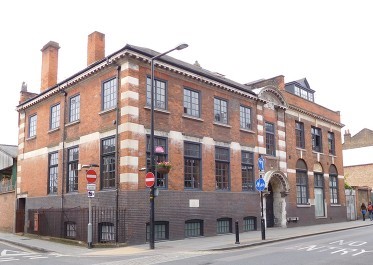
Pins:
x,y
149,179
91,176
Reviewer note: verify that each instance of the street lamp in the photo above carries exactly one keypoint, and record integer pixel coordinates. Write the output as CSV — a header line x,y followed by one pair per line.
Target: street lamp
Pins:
x,y
152,166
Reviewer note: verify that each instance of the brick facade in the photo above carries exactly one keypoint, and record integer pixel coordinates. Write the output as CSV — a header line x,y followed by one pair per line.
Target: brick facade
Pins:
x,y
130,122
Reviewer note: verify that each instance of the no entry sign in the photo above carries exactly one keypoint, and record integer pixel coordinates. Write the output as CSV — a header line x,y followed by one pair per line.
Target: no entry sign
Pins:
x,y
91,176
149,179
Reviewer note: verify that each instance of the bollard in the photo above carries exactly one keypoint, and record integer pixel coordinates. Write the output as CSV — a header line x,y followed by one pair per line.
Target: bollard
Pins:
x,y
237,234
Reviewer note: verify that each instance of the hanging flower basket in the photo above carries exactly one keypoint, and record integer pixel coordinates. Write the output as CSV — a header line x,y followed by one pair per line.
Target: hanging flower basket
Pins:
x,y
163,167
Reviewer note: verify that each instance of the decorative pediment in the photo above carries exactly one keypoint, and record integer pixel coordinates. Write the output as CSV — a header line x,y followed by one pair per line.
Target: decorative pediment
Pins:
x,y
272,98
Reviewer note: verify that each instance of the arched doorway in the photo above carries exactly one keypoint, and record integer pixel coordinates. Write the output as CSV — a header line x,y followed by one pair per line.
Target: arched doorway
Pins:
x,y
275,204
270,217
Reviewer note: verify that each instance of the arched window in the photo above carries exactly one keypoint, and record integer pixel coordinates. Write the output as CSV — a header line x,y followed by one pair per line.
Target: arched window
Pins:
x,y
333,184
302,182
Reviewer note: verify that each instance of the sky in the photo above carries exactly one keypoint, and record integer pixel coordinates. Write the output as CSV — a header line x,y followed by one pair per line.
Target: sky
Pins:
x,y
328,42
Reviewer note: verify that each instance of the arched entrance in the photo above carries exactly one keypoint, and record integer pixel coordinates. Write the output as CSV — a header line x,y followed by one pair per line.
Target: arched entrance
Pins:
x,y
275,205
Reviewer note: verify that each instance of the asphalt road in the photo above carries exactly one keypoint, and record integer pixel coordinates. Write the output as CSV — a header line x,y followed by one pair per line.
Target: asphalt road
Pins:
x,y
352,247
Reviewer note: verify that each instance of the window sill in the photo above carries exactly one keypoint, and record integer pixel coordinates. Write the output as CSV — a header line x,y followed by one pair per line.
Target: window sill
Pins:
x,y
246,130
320,217
316,152
54,130
192,118
158,110
301,149
335,205
31,138
72,123
222,125
107,111
304,205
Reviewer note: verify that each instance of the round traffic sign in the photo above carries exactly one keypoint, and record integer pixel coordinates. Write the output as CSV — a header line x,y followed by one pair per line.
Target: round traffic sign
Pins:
x,y
149,179
260,184
91,176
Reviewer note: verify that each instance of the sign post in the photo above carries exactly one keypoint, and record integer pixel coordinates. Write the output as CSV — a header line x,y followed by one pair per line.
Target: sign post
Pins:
x,y
91,178
260,185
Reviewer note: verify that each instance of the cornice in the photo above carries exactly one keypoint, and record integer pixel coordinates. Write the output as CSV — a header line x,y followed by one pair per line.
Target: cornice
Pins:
x,y
311,114
112,60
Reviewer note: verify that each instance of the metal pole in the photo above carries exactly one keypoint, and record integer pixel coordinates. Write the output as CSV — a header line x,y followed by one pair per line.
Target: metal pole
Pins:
x,y
89,240
152,224
237,234
152,160
262,222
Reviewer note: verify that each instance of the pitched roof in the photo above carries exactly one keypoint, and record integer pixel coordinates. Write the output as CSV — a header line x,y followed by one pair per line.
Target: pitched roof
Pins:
x,y
11,150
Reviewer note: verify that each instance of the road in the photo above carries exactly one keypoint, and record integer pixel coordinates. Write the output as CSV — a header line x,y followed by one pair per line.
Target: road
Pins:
x,y
352,247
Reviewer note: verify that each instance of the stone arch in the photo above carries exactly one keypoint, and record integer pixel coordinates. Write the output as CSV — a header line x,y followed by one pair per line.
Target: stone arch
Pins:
x,y
280,177
317,167
275,197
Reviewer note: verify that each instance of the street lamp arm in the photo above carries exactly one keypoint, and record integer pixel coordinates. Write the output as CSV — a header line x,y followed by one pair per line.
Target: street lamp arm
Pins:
x,y
179,47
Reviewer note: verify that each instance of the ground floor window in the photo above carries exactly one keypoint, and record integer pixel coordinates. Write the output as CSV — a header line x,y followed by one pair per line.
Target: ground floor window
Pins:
x,y
249,223
70,229
106,232
160,231
224,226
193,228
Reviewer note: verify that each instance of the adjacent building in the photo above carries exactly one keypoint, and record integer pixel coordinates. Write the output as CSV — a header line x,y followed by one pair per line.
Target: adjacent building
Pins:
x,y
210,128
8,176
358,165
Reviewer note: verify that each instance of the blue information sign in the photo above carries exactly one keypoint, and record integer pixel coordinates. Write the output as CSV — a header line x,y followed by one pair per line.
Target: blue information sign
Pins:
x,y
261,163
260,184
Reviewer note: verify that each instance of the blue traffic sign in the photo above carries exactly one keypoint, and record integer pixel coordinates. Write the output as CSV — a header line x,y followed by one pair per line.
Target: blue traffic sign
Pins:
x,y
260,184
261,163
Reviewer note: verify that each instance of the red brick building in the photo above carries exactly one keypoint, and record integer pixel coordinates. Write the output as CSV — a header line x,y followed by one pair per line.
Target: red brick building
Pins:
x,y
210,128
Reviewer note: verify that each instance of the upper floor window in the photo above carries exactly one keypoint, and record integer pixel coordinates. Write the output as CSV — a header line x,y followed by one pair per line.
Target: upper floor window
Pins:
x,y
222,168
316,139
74,111
109,94
53,173
192,165
108,163
270,139
191,102
303,93
247,165
73,160
32,126
331,143
245,118
220,110
299,134
160,92
55,117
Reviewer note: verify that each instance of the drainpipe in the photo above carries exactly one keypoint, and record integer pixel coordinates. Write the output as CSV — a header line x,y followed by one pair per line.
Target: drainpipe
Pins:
x,y
64,93
117,143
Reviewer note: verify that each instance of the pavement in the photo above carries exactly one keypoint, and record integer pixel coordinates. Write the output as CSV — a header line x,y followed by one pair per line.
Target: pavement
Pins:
x,y
213,243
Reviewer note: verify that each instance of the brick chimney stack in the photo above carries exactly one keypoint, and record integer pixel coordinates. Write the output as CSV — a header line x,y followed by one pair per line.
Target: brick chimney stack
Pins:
x,y
96,47
49,65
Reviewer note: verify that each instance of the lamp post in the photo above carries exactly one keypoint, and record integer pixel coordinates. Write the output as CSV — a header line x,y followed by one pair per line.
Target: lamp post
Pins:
x,y
152,164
